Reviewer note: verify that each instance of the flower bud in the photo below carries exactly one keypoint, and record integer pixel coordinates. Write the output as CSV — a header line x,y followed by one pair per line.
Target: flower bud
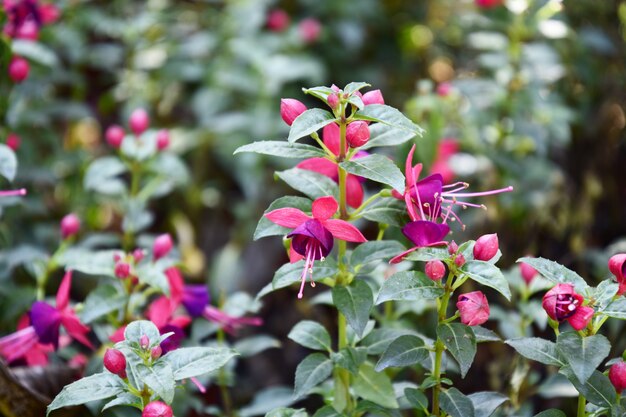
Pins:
x,y
310,30
117,257
473,308
435,269
528,272
122,270
162,139
162,246
115,362
139,121
617,266
114,136
452,247
70,225
277,20
156,352
357,134
290,109
138,254
444,89
373,97
333,101
459,260
486,247
487,4
18,69
144,342
617,376
13,141
157,409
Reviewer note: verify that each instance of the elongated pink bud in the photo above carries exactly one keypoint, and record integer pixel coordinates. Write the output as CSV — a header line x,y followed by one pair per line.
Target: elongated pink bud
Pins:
x,y
357,134
617,376
70,225
13,141
122,270
528,272
156,352
162,139
115,136
139,121
459,260
486,247
157,409
115,362
435,270
452,247
373,97
333,101
18,69
290,109
162,246
277,20
144,342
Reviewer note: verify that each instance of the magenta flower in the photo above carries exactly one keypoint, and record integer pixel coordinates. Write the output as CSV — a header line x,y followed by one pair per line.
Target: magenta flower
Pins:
x,y
473,308
617,266
422,233
562,303
441,165
312,237
330,169
26,17
18,69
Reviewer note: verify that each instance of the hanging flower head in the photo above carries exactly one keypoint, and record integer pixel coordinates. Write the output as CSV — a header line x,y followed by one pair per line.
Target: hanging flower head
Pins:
x,y
312,236
617,266
562,303
26,17
473,308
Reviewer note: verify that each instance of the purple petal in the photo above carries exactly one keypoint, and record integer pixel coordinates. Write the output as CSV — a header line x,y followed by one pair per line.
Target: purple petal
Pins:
x,y
46,320
195,298
172,342
425,233
427,189
312,234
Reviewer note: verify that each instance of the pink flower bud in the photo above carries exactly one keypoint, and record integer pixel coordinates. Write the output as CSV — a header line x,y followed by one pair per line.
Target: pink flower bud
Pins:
x,y
144,342
528,272
277,20
122,270
114,136
333,101
70,225
487,4
139,121
373,97
157,409
335,88
357,134
162,139
444,89
115,362
18,69
117,257
138,254
290,109
473,308
617,376
162,246
435,270
310,30
486,247
459,260
452,247
156,352
13,141
617,266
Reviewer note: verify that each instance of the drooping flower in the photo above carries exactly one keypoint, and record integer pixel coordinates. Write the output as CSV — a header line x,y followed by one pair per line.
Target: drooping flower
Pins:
x,y
26,17
562,303
473,308
617,266
312,236
330,169
422,233
486,247
617,376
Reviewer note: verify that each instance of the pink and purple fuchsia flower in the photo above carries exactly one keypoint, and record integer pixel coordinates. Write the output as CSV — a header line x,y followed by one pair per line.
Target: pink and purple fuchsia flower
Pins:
x,y
313,236
563,303
26,17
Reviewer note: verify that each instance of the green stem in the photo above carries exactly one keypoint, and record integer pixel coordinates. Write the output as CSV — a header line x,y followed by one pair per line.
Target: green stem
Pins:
x,y
365,204
135,174
224,393
439,346
51,266
581,406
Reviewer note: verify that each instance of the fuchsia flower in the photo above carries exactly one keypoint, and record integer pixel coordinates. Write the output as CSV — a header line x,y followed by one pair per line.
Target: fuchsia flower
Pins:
x,y
18,69
330,169
562,303
617,376
486,247
441,165
157,409
45,322
312,237
277,20
26,17
617,266
473,308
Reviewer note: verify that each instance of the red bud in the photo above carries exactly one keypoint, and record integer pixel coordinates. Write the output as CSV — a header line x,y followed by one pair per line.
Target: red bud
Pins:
x,y
122,270
18,69
13,141
617,376
452,247
373,97
486,247
459,260
162,139
115,362
357,134
162,246
435,270
333,100
114,136
139,121
290,109
157,409
70,225
144,342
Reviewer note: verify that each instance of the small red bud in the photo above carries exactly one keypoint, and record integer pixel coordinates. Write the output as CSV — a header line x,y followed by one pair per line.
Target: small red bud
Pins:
x,y
444,89
144,342
310,30
528,272
70,225
435,269
157,409
117,257
290,109
452,247
162,139
459,260
139,121
162,246
18,69
277,20
373,97
617,376
13,141
156,352
486,247
357,134
487,4
115,136
333,101
115,362
122,270
138,254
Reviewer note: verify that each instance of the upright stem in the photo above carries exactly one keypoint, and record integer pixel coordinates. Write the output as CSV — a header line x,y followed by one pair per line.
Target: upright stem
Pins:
x,y
581,406
226,400
135,171
439,346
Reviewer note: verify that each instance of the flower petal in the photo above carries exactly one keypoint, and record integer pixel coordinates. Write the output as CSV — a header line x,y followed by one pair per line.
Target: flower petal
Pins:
x,y
46,320
408,169
76,329
343,230
287,217
160,311
195,298
293,255
331,137
425,233
354,191
63,294
398,258
581,317
322,166
324,208
176,282
617,266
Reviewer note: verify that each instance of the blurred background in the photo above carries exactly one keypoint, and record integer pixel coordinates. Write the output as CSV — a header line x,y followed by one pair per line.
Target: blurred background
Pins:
x,y
528,93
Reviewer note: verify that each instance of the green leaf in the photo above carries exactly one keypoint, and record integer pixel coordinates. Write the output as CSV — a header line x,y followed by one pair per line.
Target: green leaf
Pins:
x,y
265,227
456,404
551,413
282,149
416,398
355,86
350,358
555,272
253,345
309,122
404,351
383,135
428,254
616,309
312,371
310,334
388,115
319,92
489,275
537,349
603,294
312,184
485,335
124,399
460,341
374,250
287,412
374,386
91,388
387,211
88,262
583,354
355,302
35,51
290,273
327,411
195,361
597,389
409,286
8,162
267,400
140,149
153,274
101,301
486,402
101,176
379,339
160,378
136,329
377,168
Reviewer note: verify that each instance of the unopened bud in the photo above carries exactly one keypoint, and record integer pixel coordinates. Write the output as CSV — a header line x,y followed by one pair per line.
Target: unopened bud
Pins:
x,y
122,270
13,141
290,109
156,352
459,260
452,248
70,225
357,134
333,101
162,246
157,409
144,342
277,20
18,69
115,362
617,376
435,269
138,254
139,121
115,136
373,97
444,89
162,139
528,272
486,247
310,30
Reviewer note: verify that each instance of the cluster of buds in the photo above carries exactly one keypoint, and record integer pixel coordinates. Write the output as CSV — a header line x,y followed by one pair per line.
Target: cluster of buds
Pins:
x,y
138,122
453,250
123,264
527,272
309,29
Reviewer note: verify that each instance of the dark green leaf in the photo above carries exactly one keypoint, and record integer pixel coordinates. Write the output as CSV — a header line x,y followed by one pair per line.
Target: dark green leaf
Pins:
x,y
310,334
388,115
537,349
387,211
265,227
404,351
551,413
312,371
374,251
489,275
327,411
309,122
603,294
486,402
287,412
124,399
377,168
374,386
583,354
91,388
428,254
101,176
485,335
160,378
597,390
409,286
291,272
377,341
312,184
283,149
616,309
383,135
355,302
195,361
460,341
101,301
555,272
416,398
350,358
456,404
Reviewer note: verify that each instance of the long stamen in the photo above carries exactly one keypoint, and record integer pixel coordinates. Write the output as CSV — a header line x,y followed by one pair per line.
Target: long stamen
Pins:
x,y
307,264
419,202
10,193
465,204
461,184
483,193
